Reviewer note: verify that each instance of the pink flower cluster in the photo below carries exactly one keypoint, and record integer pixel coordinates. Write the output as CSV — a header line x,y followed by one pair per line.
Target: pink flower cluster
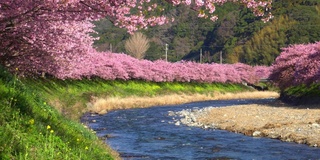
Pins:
x,y
296,65
37,34
111,66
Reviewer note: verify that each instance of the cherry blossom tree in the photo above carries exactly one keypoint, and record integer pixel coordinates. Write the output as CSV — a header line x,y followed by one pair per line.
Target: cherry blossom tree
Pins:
x,y
297,64
41,35
46,35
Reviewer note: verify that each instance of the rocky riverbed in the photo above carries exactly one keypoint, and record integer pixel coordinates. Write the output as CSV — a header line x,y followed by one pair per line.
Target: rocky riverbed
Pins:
x,y
300,124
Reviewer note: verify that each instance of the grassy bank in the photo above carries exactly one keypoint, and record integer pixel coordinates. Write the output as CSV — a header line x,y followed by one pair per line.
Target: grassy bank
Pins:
x,y
72,97
302,94
40,117
31,129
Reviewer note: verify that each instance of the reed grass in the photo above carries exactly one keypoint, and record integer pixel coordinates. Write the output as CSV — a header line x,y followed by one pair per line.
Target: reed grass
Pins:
x,y
103,105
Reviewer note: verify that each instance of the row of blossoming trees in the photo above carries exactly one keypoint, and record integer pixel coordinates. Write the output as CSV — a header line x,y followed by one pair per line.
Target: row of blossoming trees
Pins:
x,y
297,64
111,66
52,36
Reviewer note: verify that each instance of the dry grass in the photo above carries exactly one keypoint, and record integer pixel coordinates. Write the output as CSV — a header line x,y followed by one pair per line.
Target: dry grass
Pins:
x,y
137,45
246,95
73,112
103,105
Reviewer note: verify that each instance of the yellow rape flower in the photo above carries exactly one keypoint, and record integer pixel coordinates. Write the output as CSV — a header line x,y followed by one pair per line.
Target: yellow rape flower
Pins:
x,y
31,121
48,127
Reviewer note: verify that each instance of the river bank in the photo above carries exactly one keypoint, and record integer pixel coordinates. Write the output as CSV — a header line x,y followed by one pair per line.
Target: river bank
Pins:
x,y
300,124
102,105
151,133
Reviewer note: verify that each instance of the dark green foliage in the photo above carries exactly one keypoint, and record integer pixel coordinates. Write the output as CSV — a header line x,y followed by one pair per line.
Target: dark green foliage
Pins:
x,y
264,46
111,38
307,29
155,52
257,43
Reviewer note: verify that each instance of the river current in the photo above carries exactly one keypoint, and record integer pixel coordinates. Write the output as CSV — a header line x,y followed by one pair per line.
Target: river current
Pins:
x,y
150,133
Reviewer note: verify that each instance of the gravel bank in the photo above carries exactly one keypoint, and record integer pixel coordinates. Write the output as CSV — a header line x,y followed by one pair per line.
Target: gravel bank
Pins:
x,y
278,121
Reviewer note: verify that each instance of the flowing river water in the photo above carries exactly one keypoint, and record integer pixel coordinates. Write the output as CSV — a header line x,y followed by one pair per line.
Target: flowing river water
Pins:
x,y
151,133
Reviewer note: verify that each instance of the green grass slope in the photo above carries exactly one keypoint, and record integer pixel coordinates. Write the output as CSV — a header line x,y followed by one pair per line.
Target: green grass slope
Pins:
x,y
31,129
302,94
70,96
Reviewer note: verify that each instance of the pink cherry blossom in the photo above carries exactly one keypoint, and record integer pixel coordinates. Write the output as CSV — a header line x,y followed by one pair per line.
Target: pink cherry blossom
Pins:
x,y
296,65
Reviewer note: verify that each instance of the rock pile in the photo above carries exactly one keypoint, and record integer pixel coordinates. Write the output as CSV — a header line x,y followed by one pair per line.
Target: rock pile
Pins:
x,y
190,117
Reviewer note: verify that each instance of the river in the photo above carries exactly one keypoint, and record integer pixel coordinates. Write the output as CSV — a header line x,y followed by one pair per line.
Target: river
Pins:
x,y
150,133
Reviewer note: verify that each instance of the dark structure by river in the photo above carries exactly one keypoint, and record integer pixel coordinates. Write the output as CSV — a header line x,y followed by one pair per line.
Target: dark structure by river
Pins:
x,y
151,134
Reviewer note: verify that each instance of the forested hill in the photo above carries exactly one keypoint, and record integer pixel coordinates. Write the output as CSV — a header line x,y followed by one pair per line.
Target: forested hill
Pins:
x,y
237,35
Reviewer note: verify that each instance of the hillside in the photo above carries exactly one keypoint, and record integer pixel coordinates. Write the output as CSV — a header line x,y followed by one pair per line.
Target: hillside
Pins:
x,y
240,35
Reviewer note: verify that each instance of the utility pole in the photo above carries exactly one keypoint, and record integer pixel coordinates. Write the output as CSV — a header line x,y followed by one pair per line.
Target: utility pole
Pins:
x,y
166,52
200,55
220,57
